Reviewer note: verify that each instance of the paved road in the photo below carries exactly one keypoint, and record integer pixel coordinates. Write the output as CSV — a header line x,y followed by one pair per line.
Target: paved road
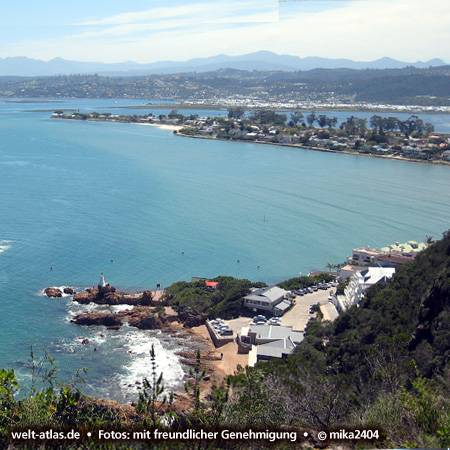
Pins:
x,y
297,317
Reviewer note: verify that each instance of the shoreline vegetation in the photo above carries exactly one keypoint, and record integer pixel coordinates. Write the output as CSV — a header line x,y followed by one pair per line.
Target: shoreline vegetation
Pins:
x,y
411,140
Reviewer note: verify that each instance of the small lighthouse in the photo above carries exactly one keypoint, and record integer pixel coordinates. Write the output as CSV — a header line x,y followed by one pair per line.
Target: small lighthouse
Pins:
x,y
101,282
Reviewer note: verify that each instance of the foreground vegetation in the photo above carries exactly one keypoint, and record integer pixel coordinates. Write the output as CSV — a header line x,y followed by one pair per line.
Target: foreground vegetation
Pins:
x,y
383,365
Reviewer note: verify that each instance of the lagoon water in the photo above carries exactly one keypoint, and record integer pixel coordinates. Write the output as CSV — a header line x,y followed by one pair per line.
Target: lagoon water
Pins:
x,y
145,207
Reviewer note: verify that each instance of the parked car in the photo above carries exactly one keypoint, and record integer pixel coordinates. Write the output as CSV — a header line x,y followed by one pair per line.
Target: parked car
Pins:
x,y
260,317
226,332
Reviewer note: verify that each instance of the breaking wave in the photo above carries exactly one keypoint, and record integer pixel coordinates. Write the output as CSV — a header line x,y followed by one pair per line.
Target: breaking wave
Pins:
x,y
4,245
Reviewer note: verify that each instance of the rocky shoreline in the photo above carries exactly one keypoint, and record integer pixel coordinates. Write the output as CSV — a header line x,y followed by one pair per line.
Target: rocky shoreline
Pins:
x,y
143,318
143,315
149,310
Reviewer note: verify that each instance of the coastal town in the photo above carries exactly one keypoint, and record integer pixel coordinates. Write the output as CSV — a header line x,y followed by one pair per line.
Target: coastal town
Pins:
x,y
387,137
264,323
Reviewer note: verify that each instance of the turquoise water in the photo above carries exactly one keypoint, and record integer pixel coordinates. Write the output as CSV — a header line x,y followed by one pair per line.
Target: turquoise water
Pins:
x,y
145,207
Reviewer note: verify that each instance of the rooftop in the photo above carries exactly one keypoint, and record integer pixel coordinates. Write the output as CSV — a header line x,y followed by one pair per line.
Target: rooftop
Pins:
x,y
267,295
373,275
276,349
275,332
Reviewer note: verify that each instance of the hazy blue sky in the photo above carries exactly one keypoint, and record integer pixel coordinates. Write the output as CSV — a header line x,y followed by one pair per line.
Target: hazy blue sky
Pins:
x,y
149,30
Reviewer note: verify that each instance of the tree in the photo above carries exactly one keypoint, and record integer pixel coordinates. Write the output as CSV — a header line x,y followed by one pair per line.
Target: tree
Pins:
x,y
236,112
322,120
377,123
415,125
310,119
8,389
354,126
332,122
296,117
174,114
192,387
267,116
252,404
152,395
219,399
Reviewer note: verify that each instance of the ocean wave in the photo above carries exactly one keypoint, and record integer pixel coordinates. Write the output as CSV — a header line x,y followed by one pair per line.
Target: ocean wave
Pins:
x,y
4,245
75,308
138,344
17,163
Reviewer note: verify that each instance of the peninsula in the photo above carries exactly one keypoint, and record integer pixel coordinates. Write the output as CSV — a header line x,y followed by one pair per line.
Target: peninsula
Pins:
x,y
386,137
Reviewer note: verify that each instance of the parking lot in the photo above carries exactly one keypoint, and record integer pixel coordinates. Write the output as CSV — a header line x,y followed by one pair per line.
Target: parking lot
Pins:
x,y
297,317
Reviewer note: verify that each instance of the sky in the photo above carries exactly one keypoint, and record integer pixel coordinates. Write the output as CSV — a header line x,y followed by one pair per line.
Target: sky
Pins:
x,y
155,30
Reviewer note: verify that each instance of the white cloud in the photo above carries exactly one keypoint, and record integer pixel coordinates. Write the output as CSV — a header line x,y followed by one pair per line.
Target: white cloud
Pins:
x,y
404,29
150,14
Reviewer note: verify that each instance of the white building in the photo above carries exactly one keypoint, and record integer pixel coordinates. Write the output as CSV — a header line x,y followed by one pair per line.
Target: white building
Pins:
x,y
274,300
266,342
359,283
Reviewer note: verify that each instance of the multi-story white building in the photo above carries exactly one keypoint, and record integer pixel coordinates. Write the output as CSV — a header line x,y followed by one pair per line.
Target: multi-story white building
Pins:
x,y
359,283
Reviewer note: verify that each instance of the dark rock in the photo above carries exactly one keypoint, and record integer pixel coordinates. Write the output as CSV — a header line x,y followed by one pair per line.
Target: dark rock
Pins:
x,y
69,290
192,320
83,297
97,318
143,317
53,292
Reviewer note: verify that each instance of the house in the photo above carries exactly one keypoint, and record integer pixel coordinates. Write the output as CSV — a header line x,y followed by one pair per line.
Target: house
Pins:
x,y
273,300
265,342
211,284
347,271
363,256
278,349
391,256
359,283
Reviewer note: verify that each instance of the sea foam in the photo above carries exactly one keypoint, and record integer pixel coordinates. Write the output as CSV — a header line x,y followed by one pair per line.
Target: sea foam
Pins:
x,y
4,245
138,344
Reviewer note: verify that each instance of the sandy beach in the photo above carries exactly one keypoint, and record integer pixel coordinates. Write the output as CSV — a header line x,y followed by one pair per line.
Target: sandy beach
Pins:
x,y
164,126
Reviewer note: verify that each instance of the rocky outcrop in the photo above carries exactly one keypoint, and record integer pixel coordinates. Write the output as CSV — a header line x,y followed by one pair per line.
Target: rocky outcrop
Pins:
x,y
146,321
69,291
109,320
190,319
53,292
108,295
140,317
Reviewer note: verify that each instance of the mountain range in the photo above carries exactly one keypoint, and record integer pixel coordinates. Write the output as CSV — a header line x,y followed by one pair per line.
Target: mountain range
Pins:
x,y
263,60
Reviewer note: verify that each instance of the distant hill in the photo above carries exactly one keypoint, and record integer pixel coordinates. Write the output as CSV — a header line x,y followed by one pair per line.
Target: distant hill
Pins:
x,y
406,86
263,61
